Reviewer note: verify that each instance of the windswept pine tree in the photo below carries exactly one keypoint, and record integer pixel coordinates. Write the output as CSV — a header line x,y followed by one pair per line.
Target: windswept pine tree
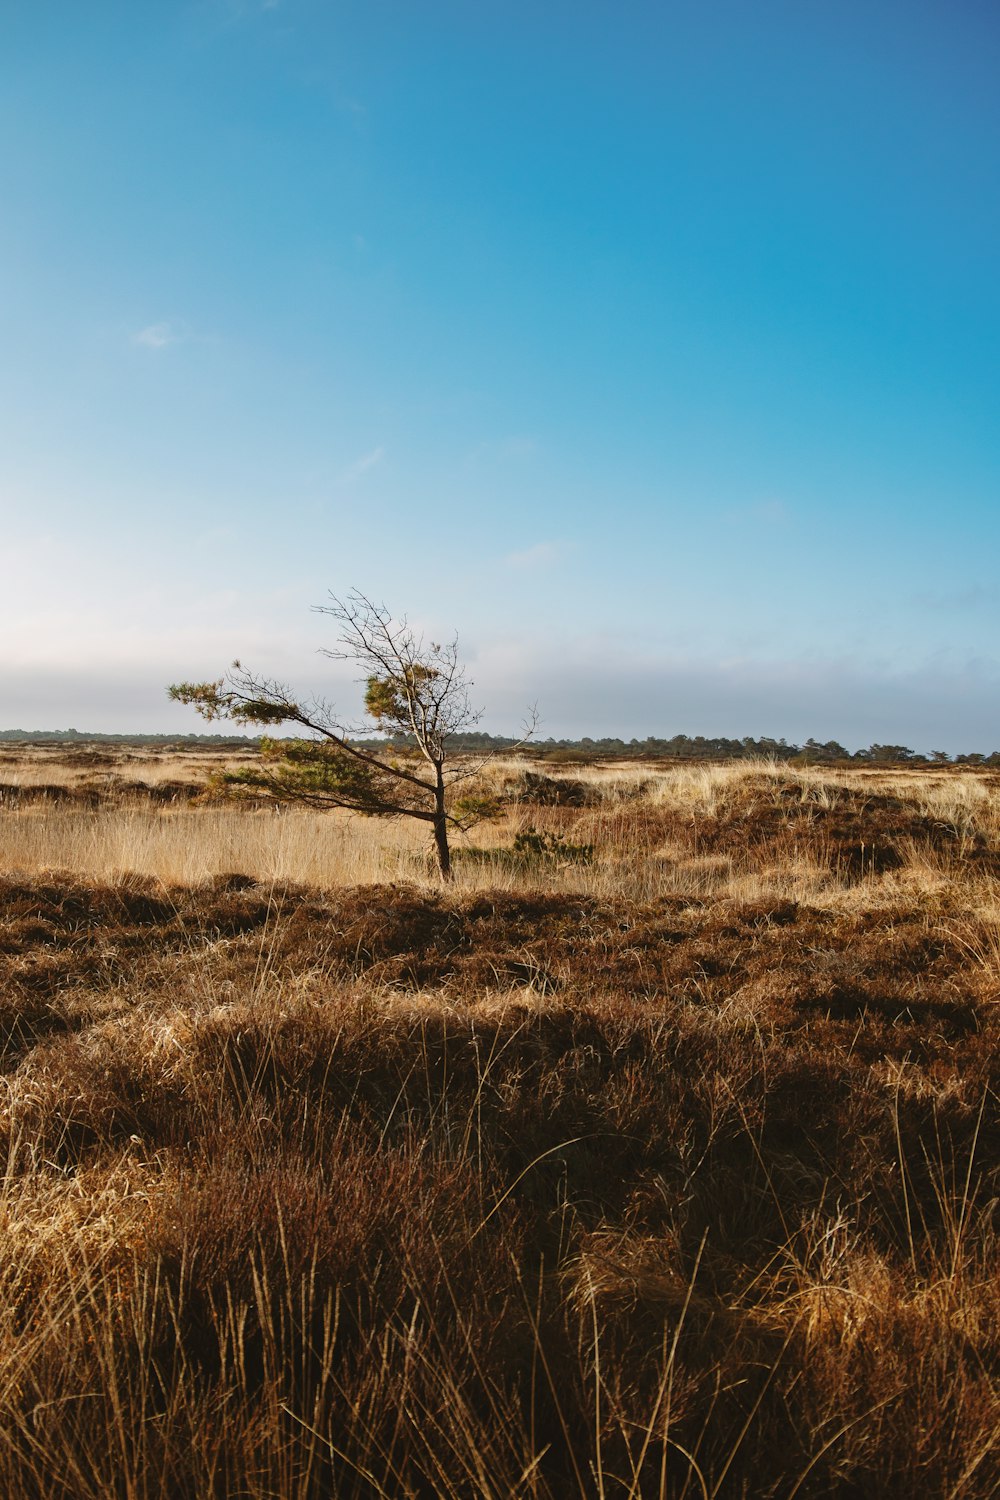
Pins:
x,y
413,689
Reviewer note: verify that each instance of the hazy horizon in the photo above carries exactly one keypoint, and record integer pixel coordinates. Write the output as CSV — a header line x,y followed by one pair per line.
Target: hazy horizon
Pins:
x,y
713,695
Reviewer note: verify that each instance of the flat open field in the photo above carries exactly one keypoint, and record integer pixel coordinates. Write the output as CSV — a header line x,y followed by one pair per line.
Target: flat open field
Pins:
x,y
658,1156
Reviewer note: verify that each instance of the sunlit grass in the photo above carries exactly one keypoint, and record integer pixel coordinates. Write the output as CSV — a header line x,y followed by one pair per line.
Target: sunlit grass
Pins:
x,y
661,1169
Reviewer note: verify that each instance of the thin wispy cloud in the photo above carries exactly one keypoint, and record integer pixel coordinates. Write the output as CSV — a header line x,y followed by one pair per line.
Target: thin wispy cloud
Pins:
x,y
541,555
242,10
973,596
770,512
516,448
159,335
363,465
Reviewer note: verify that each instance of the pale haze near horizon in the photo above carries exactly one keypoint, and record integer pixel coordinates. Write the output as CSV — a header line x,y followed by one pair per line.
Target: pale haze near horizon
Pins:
x,y
652,349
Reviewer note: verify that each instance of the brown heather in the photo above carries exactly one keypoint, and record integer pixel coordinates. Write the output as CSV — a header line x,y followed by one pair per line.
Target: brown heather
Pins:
x,y
674,1173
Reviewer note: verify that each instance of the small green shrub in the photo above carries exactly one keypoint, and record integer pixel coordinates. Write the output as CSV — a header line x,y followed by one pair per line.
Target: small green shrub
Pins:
x,y
532,844
532,848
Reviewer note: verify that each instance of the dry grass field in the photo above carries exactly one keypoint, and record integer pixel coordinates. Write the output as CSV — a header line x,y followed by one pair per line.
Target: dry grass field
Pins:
x,y
658,1156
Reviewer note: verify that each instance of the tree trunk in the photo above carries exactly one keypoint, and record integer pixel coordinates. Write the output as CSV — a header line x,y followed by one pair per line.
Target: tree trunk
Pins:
x,y
441,829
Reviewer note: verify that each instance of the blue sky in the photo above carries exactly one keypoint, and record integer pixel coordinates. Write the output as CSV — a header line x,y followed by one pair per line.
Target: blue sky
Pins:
x,y
654,348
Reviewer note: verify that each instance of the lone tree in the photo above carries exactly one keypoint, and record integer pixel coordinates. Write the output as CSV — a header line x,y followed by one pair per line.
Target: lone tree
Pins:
x,y
413,690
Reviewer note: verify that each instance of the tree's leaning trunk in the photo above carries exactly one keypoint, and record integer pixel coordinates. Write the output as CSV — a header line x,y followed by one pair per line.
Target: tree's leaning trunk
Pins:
x,y
441,829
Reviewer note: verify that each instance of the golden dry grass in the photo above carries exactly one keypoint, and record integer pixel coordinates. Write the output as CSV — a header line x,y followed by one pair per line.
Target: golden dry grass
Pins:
x,y
642,819
674,1173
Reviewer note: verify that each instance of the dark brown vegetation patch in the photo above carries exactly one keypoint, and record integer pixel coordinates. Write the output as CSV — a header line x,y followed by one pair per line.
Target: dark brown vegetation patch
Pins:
x,y
537,790
388,1192
792,959
852,831
110,791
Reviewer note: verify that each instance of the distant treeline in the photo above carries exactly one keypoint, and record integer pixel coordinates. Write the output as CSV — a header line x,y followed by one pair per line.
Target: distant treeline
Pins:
x,y
679,747
702,747
79,737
